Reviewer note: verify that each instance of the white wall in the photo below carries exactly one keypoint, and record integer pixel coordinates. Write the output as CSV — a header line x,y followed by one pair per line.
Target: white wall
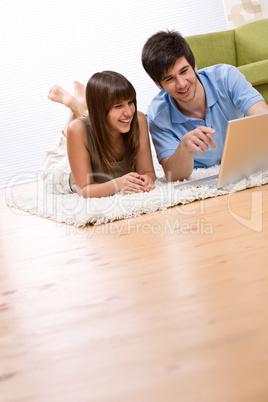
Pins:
x,y
264,8
240,12
58,41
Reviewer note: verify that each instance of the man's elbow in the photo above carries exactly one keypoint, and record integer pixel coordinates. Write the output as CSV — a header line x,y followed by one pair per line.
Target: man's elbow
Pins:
x,y
175,173
170,176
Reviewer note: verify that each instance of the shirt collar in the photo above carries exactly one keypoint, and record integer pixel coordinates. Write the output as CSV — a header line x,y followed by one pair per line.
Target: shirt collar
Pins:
x,y
209,89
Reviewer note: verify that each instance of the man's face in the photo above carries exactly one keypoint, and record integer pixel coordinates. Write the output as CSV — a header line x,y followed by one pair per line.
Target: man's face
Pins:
x,y
180,82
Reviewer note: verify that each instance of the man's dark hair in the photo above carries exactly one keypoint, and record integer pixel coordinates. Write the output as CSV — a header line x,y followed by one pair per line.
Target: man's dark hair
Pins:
x,y
161,52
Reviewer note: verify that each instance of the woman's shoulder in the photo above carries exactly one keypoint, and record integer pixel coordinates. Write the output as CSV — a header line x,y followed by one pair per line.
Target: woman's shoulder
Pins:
x,y
87,123
142,121
76,125
81,129
77,131
141,116
85,120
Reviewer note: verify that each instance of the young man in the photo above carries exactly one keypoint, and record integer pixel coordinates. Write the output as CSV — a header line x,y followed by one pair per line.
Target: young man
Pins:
x,y
188,118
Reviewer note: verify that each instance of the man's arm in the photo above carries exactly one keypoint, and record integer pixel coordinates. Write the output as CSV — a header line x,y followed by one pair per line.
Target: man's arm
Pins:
x,y
180,165
258,108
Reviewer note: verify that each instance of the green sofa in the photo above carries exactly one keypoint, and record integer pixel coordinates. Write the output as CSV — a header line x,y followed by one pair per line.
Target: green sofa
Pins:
x,y
245,47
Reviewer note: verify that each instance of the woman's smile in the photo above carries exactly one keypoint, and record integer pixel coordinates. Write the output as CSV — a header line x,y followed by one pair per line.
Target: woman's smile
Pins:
x,y
120,117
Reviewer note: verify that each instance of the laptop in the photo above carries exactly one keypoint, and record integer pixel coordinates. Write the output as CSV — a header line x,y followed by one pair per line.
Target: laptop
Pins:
x,y
245,152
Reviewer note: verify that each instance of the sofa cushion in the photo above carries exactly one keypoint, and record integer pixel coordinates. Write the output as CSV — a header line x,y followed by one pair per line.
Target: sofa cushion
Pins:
x,y
213,48
263,89
251,42
256,73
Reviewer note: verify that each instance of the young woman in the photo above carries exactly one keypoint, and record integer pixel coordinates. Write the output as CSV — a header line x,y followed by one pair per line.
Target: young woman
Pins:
x,y
108,148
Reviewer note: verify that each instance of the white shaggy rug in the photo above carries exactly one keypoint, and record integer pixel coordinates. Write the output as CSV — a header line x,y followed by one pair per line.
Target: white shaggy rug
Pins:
x,y
78,211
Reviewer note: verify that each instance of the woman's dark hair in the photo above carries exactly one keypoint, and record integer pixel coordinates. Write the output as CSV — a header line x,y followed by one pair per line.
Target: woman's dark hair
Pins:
x,y
103,91
161,52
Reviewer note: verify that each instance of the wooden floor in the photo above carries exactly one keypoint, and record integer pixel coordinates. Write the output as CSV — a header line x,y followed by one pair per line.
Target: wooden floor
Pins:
x,y
167,307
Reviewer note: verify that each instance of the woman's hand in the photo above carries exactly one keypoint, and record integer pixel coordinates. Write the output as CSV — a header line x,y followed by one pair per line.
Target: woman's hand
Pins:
x,y
132,183
148,182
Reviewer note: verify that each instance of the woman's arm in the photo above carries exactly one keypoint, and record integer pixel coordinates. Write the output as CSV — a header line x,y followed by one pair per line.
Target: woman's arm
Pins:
x,y
144,162
80,163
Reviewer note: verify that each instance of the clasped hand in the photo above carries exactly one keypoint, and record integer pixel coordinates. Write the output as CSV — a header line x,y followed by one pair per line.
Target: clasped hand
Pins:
x,y
133,182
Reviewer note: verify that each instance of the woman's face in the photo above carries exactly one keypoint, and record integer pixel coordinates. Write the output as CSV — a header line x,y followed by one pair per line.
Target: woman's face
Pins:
x,y
120,117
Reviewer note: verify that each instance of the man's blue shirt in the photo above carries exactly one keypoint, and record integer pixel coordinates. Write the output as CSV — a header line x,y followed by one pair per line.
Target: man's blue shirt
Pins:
x,y
229,95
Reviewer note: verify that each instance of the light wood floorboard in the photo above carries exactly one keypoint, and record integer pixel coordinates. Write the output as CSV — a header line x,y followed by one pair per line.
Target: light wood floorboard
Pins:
x,y
166,307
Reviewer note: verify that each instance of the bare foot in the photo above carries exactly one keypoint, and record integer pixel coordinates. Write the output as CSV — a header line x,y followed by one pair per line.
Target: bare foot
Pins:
x,y
58,94
80,93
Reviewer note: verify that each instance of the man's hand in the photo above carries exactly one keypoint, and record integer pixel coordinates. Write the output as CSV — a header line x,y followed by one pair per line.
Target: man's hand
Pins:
x,y
180,165
199,140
